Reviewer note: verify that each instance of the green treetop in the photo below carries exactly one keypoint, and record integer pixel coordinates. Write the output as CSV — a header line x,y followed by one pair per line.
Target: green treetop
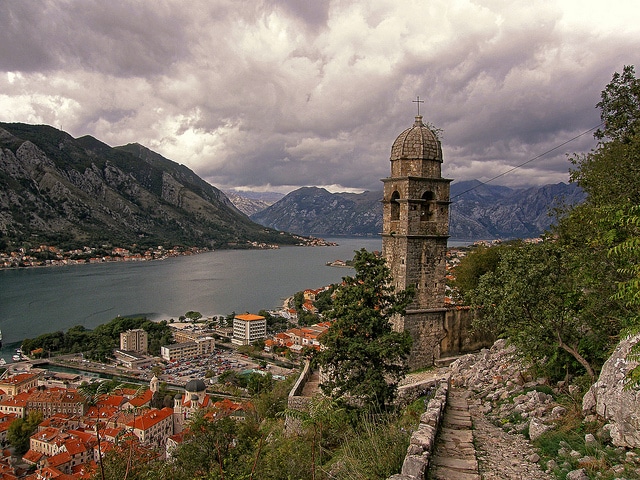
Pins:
x,y
362,357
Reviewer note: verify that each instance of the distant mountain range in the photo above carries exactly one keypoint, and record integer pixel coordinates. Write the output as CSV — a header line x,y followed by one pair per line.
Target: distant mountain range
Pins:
x,y
477,211
252,202
70,192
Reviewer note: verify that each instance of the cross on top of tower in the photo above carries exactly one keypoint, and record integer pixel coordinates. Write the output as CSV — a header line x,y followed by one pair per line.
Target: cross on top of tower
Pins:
x,y
418,102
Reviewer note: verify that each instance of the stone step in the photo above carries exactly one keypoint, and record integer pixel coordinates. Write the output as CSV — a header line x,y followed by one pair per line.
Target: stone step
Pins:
x,y
444,473
454,457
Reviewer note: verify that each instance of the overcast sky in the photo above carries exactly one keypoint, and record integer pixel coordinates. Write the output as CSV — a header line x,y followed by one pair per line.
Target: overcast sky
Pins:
x,y
273,95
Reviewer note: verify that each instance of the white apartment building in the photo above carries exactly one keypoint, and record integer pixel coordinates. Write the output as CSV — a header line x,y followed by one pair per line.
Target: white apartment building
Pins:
x,y
134,340
248,328
184,350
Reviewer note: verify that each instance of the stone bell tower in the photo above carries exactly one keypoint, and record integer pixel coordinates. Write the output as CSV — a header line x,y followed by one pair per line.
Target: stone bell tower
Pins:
x,y
414,236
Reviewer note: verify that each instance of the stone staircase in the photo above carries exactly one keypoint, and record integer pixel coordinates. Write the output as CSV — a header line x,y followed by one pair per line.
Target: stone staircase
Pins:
x,y
454,456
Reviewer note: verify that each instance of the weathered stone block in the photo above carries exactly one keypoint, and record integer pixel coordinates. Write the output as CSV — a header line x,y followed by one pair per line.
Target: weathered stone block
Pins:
x,y
415,465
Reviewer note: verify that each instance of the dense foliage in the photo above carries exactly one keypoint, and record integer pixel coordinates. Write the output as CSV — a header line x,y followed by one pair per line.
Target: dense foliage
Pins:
x,y
98,344
21,429
566,301
325,445
363,358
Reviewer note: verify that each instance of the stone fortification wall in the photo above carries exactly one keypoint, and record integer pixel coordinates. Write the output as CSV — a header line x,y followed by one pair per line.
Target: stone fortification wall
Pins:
x,y
423,439
440,333
296,401
460,338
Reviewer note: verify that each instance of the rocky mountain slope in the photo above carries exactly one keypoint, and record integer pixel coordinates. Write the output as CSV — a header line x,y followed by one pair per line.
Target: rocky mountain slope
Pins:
x,y
316,211
56,189
252,202
477,211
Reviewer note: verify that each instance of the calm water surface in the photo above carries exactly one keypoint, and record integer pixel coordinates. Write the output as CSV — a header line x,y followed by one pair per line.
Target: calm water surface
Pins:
x,y
40,300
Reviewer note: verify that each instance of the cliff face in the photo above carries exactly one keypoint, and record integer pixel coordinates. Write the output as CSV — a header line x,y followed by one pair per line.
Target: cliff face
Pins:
x,y
477,211
317,212
60,190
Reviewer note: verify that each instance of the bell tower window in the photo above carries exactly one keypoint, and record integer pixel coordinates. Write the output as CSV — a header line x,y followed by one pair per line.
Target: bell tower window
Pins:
x,y
395,206
426,211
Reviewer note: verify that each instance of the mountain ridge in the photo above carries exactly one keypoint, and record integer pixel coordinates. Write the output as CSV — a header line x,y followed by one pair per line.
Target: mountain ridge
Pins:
x,y
60,190
477,211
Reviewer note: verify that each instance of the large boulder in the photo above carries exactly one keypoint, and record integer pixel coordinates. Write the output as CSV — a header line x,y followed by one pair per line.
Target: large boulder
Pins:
x,y
609,398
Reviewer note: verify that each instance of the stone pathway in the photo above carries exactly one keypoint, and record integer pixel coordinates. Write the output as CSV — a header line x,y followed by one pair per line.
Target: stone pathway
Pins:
x,y
454,456
470,447
502,455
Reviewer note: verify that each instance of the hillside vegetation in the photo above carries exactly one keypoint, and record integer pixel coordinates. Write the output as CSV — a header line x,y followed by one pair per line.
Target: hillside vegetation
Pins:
x,y
68,192
566,302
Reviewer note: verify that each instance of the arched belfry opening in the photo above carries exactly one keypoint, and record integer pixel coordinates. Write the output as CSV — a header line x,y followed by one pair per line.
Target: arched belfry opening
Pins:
x,y
415,233
427,206
395,206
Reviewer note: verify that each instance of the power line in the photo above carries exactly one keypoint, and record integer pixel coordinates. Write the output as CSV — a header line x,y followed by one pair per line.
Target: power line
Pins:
x,y
528,161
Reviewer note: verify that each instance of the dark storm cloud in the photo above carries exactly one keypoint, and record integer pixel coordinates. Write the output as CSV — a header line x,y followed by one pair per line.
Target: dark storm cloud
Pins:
x,y
281,94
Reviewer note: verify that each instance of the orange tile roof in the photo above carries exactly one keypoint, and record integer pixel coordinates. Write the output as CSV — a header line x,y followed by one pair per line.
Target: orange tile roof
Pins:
x,y
151,418
19,400
46,435
249,317
32,456
59,459
19,378
142,399
75,446
111,400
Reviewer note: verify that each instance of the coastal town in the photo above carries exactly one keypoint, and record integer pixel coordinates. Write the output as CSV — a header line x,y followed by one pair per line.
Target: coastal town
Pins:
x,y
151,408
52,256
157,395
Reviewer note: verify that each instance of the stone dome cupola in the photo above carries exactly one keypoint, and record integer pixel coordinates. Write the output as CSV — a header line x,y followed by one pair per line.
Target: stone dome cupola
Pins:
x,y
195,386
416,152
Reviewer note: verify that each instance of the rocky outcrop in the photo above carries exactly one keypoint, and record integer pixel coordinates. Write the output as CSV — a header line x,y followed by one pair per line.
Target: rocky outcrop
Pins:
x,y
56,189
609,399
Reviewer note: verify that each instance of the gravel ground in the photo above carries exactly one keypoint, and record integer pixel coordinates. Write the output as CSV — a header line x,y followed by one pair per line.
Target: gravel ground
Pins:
x,y
503,455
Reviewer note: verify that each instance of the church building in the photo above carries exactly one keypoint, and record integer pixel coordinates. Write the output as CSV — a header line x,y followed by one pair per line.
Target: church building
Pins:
x,y
414,236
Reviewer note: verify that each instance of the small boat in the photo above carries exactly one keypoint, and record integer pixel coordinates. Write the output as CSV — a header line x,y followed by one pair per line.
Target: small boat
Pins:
x,y
17,357
2,362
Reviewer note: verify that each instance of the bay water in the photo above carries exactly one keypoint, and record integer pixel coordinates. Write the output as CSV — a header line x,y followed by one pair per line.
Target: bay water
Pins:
x,y
34,301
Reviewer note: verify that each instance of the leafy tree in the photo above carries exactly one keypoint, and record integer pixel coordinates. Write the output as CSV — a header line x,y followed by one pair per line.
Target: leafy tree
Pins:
x,y
475,264
217,449
21,430
535,298
629,290
363,357
324,301
620,106
258,383
193,316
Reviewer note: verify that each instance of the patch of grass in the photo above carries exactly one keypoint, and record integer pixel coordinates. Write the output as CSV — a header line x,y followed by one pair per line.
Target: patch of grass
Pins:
x,y
569,435
377,451
378,448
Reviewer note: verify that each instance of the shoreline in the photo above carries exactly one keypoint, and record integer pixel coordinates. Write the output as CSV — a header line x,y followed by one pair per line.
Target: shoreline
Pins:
x,y
18,259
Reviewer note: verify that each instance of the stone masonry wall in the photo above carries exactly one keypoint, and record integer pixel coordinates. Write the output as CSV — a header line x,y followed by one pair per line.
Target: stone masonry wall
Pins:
x,y
423,439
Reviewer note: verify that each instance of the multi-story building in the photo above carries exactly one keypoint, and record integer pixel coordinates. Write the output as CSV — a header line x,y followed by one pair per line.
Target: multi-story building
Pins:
x,y
248,328
181,351
153,427
134,340
56,400
22,382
